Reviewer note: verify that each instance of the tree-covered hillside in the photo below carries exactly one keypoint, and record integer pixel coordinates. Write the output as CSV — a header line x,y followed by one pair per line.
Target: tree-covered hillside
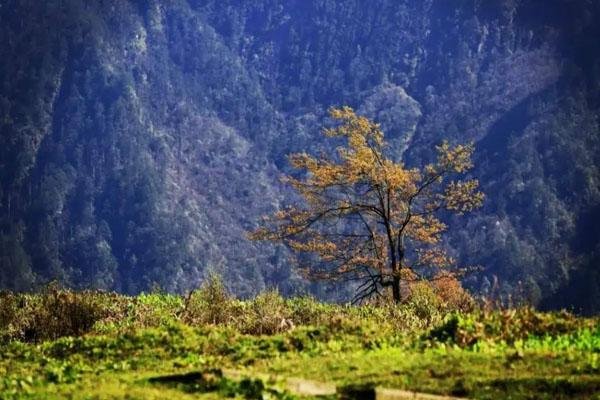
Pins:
x,y
140,140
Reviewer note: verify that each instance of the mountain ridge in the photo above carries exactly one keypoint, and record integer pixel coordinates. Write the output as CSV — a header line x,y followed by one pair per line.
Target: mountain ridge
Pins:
x,y
140,141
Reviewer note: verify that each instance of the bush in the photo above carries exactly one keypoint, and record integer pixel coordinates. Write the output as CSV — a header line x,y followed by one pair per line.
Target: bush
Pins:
x,y
424,302
10,304
50,315
505,325
451,293
309,311
266,314
211,304
153,310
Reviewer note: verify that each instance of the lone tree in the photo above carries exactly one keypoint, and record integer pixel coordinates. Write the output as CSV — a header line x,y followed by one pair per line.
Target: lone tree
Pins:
x,y
370,219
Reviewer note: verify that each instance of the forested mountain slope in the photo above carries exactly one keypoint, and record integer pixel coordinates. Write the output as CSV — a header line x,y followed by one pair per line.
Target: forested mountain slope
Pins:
x,y
141,139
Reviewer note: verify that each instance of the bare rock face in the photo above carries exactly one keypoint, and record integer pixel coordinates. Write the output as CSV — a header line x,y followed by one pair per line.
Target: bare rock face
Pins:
x,y
396,111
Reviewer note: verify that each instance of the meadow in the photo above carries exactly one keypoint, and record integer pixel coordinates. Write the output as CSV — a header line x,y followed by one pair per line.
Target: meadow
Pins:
x,y
61,344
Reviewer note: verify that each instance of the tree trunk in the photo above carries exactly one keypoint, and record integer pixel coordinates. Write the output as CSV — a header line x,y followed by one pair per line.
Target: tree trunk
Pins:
x,y
396,288
395,283
397,271
395,277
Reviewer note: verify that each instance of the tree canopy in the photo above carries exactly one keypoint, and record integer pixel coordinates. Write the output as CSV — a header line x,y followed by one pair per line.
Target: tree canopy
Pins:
x,y
370,219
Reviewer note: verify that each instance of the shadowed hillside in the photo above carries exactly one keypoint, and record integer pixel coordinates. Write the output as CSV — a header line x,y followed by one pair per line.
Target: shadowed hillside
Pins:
x,y
140,140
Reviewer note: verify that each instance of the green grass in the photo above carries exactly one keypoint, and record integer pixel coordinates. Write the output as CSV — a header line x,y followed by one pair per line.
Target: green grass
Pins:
x,y
143,347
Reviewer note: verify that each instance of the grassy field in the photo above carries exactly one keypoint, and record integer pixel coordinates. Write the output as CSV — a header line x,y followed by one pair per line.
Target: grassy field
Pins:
x,y
65,345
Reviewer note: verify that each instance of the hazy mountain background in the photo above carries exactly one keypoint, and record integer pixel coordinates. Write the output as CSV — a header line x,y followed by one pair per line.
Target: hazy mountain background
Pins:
x,y
141,139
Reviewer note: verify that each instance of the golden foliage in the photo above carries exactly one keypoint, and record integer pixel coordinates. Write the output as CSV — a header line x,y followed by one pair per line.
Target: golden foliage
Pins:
x,y
367,216
462,196
449,289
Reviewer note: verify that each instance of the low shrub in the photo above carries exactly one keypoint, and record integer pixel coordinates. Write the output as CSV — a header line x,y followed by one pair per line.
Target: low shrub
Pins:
x,y
466,329
211,304
452,295
56,312
424,302
50,315
307,310
11,306
267,314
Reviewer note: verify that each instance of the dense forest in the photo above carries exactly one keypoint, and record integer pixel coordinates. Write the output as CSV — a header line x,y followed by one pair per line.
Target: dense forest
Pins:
x,y
141,140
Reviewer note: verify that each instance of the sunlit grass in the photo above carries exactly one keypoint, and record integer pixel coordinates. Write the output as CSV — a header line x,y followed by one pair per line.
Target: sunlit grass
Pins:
x,y
518,354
